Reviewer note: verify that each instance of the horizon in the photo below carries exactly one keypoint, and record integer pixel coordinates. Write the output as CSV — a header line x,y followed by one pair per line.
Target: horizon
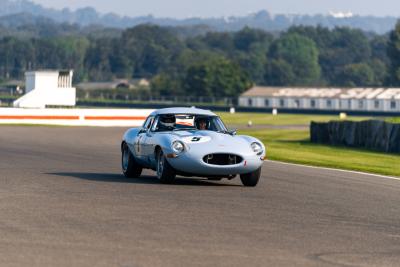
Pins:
x,y
222,8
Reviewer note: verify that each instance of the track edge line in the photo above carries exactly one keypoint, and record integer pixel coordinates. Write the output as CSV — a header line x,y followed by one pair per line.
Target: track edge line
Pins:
x,y
333,169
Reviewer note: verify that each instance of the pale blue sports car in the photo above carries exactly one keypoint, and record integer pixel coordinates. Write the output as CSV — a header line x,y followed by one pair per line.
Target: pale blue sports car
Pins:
x,y
191,142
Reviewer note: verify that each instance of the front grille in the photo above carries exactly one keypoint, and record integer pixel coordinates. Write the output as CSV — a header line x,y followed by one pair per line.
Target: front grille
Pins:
x,y
222,159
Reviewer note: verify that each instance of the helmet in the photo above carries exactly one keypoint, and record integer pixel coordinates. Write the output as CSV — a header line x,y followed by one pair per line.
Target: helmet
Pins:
x,y
167,121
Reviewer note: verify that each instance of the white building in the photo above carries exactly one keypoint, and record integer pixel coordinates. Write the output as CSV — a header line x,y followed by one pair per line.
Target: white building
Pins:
x,y
47,88
340,99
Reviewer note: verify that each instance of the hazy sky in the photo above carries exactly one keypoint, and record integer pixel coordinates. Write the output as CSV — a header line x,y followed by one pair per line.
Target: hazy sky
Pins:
x,y
217,8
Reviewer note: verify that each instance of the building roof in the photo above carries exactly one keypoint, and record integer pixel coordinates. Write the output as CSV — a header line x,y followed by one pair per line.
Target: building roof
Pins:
x,y
119,83
180,110
341,93
99,85
44,71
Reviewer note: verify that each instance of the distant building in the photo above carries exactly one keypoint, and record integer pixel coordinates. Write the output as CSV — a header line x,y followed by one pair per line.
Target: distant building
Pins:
x,y
116,84
47,88
340,99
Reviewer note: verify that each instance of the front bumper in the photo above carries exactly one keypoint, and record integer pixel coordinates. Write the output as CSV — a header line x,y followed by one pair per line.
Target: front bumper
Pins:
x,y
194,164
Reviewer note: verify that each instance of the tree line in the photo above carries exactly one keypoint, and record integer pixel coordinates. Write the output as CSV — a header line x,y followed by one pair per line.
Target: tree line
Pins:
x,y
215,63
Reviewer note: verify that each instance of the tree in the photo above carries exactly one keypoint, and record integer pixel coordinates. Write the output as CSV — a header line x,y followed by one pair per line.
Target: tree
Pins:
x,y
252,46
347,46
322,36
380,71
149,49
97,60
301,54
253,64
393,52
379,47
357,75
222,41
217,77
165,85
247,37
175,58
279,73
338,47
119,63
16,57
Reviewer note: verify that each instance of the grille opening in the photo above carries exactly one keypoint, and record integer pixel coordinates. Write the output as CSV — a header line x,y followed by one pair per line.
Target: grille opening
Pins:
x,y
222,159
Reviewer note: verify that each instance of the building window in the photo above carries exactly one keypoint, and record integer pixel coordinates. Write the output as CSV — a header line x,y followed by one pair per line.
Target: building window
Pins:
x,y
329,103
297,103
393,104
250,102
266,102
281,102
376,103
312,103
360,104
349,102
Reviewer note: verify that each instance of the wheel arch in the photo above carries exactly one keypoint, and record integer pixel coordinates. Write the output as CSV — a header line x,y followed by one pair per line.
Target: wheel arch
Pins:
x,y
156,150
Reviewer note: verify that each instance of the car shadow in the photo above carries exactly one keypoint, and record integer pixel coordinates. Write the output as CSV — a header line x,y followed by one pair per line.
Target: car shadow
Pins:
x,y
144,179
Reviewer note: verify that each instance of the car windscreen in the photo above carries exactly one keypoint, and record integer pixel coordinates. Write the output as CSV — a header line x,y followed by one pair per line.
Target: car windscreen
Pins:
x,y
177,122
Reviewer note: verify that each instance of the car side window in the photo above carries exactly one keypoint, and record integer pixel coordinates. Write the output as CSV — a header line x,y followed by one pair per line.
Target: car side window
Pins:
x,y
154,127
147,124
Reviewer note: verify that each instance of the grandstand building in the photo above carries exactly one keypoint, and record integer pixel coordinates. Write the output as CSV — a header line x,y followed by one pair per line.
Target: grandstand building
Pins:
x,y
324,99
47,88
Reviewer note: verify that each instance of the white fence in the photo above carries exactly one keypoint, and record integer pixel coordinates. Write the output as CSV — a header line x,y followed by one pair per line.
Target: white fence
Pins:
x,y
75,117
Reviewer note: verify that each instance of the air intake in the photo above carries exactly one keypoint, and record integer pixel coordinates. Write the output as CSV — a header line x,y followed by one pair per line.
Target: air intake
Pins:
x,y
222,159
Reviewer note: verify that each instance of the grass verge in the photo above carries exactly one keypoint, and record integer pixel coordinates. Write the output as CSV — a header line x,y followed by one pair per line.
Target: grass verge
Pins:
x,y
394,120
281,119
293,146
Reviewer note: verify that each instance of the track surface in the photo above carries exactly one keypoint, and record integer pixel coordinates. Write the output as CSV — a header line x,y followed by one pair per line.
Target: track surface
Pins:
x,y
63,202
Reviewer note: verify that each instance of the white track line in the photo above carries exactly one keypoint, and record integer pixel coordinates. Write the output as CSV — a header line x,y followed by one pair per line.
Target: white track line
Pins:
x,y
339,170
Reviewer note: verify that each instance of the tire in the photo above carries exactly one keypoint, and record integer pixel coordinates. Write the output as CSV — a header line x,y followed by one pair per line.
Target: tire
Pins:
x,y
165,173
130,167
251,179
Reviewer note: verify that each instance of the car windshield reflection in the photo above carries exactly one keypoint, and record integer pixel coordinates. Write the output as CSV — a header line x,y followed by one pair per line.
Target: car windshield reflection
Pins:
x,y
188,122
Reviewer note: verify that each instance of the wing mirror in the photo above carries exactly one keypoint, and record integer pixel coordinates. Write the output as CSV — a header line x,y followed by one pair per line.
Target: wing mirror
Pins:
x,y
143,130
232,132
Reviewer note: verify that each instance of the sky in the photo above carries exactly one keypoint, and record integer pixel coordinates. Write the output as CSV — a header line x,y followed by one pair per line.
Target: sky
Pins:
x,y
219,8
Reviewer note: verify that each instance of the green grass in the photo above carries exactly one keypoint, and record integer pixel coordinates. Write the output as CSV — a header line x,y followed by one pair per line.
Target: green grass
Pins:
x,y
394,120
281,119
294,146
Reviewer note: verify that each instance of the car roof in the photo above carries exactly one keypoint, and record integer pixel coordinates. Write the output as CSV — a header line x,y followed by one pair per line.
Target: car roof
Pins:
x,y
181,110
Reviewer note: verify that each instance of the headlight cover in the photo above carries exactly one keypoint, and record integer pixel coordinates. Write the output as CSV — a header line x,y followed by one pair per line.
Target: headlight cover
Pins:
x,y
178,147
257,148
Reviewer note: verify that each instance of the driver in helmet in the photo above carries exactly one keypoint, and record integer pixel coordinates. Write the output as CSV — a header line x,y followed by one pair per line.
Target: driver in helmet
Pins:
x,y
167,122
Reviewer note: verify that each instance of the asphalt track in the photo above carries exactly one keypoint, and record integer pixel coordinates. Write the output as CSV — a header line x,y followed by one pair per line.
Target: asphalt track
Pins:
x,y
63,202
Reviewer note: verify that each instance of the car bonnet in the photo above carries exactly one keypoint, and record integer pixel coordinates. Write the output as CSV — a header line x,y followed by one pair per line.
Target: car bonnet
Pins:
x,y
213,140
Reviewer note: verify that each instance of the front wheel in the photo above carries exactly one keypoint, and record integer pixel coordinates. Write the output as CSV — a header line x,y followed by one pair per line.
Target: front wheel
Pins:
x,y
130,167
251,179
165,172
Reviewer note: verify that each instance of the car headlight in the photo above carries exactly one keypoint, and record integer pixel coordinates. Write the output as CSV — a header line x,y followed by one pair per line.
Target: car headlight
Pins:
x,y
178,147
257,148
